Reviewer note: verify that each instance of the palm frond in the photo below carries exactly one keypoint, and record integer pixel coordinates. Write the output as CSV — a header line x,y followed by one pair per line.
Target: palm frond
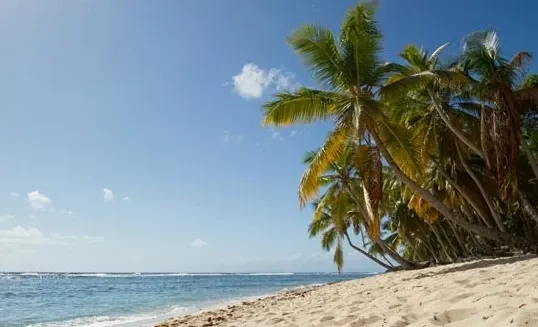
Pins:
x,y
435,55
339,210
328,153
301,106
320,225
325,200
521,60
401,145
400,85
368,162
319,51
328,239
360,39
338,257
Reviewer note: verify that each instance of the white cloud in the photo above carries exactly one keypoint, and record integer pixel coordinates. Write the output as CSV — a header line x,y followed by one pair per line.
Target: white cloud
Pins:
x,y
66,211
198,243
39,201
33,217
293,133
252,81
14,194
126,198
6,218
108,195
52,209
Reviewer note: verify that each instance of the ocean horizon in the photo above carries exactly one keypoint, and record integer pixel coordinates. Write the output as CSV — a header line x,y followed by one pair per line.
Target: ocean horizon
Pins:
x,y
106,299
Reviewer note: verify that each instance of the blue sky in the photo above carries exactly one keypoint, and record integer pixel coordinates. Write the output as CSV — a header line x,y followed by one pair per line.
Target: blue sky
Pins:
x,y
130,130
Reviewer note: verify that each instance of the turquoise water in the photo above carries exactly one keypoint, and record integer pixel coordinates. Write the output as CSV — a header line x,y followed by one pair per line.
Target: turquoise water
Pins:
x,y
102,300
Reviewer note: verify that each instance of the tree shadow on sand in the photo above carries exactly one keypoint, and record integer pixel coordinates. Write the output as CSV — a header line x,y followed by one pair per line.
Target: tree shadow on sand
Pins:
x,y
484,263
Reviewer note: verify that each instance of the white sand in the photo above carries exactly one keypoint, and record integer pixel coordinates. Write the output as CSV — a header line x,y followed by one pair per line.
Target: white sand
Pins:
x,y
500,292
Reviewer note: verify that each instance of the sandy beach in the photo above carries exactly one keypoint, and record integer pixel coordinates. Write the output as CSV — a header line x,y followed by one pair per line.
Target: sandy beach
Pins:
x,y
492,292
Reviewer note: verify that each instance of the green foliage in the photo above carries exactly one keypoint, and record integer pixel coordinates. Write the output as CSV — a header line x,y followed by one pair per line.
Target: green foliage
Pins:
x,y
388,170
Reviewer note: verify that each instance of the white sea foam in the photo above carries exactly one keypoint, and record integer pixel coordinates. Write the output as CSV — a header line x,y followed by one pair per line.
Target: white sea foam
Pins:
x,y
99,321
116,321
127,275
268,274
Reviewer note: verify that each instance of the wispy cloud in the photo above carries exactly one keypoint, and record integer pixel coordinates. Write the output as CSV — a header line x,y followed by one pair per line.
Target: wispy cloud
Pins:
x,y
126,198
253,80
108,195
6,217
14,194
26,236
64,211
228,137
293,133
198,243
276,135
72,239
20,235
285,81
39,201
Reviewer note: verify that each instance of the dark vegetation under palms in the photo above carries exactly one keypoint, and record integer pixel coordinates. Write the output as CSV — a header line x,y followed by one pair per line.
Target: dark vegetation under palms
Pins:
x,y
429,160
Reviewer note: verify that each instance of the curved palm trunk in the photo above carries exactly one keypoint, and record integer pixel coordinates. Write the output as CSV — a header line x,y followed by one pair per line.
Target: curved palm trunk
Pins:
x,y
494,213
441,242
436,203
459,134
406,264
449,241
366,254
530,157
528,206
484,137
458,239
387,260
428,245
466,196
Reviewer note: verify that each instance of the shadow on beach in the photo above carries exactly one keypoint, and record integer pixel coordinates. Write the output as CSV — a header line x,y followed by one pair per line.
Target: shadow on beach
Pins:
x,y
484,263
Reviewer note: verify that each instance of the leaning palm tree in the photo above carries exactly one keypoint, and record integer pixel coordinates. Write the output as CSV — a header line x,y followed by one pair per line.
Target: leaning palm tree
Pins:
x,y
344,181
332,223
351,73
426,82
496,81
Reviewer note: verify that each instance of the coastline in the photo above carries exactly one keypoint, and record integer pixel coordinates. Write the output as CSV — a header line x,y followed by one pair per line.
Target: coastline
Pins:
x,y
218,306
134,300
488,292
214,306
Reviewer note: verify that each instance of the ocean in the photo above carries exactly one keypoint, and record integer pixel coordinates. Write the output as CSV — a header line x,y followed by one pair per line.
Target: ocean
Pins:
x,y
112,299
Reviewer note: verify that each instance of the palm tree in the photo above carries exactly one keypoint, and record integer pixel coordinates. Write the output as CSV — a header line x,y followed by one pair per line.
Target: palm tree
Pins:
x,y
352,74
344,181
497,81
333,227
423,78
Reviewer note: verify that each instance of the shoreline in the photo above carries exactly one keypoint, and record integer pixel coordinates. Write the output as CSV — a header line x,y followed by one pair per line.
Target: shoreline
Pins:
x,y
487,292
225,304
231,305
